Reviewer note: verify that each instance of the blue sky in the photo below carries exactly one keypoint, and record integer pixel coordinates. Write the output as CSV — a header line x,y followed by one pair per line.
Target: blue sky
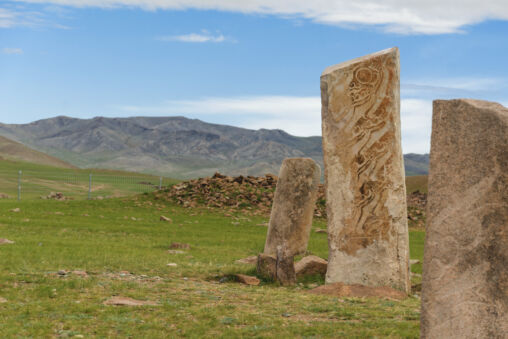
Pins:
x,y
251,63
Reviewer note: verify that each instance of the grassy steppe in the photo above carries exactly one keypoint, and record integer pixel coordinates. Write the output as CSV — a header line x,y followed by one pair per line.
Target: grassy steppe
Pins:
x,y
124,234
39,180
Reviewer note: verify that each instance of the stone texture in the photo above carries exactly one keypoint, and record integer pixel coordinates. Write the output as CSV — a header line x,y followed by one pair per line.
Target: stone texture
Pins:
x,y
123,301
279,268
5,241
247,279
465,275
177,245
166,219
358,291
285,268
364,172
311,265
293,206
252,260
267,266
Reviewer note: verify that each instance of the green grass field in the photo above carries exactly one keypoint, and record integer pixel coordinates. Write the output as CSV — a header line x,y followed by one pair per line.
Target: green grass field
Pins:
x,y
124,234
123,246
40,180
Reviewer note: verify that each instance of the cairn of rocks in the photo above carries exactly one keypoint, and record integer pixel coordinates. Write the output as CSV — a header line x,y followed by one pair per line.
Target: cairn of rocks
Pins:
x,y
249,193
364,172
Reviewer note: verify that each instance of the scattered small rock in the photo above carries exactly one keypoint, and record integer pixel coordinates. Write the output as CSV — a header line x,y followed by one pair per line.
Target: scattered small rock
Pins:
x,y
177,245
16,210
122,301
56,196
176,252
252,260
62,272
5,241
2,300
172,264
320,230
358,291
247,279
82,274
164,218
311,265
414,261
416,288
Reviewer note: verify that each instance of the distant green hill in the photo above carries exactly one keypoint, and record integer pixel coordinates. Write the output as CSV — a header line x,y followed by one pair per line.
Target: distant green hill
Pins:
x,y
416,164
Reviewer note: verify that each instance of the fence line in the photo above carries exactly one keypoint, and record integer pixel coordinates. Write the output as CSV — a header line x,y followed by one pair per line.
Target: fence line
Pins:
x,y
32,184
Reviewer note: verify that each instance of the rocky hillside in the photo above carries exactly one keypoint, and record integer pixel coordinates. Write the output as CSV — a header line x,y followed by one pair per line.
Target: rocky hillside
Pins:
x,y
170,146
14,151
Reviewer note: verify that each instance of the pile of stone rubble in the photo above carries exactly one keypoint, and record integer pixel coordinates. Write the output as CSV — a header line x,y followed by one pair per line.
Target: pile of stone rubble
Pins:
x,y
56,196
254,194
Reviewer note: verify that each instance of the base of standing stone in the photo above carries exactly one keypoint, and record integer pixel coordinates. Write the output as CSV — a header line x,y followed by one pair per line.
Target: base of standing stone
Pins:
x,y
280,269
267,266
285,269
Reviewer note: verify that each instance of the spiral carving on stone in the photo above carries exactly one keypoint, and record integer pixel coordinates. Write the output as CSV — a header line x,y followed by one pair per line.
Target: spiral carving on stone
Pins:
x,y
368,137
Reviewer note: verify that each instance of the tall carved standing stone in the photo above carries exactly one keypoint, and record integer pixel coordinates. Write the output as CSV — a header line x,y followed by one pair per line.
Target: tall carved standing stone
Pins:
x,y
465,267
364,172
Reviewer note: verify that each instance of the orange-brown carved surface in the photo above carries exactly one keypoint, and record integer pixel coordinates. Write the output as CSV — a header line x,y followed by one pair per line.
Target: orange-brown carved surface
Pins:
x,y
365,144
363,157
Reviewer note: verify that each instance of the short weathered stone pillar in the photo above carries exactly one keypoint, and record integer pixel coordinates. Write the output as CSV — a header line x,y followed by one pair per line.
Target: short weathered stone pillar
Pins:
x,y
291,218
465,267
293,206
364,172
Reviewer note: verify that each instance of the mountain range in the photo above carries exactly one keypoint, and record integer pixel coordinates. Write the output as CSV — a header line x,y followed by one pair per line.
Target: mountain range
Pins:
x,y
171,146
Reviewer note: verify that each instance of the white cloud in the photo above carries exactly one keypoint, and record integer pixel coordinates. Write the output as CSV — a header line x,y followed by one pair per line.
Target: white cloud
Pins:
x,y
295,115
398,16
20,17
416,125
8,50
203,36
282,106
461,84
14,17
